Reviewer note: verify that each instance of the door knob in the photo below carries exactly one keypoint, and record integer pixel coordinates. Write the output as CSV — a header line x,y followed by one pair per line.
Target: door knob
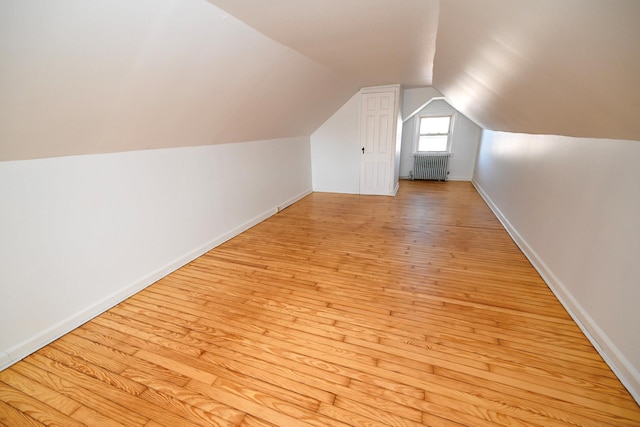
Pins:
x,y
362,150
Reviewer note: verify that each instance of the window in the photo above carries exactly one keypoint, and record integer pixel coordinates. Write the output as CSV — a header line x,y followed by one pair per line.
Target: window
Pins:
x,y
433,133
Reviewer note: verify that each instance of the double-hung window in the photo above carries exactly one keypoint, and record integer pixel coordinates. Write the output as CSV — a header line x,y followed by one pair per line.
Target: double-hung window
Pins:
x,y
433,133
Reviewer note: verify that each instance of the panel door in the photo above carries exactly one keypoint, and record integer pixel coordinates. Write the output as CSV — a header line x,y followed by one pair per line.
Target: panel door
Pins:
x,y
376,138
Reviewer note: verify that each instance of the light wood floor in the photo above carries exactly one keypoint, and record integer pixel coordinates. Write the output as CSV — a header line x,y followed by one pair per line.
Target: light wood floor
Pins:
x,y
340,310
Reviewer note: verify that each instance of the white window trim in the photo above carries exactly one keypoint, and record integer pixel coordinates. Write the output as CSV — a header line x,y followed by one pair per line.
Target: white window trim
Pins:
x,y
416,133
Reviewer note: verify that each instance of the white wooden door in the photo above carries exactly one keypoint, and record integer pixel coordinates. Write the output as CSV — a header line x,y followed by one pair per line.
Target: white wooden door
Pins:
x,y
376,138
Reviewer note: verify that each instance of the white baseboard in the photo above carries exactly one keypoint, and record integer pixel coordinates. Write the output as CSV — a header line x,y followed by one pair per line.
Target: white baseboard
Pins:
x,y
5,360
293,199
619,364
333,190
49,335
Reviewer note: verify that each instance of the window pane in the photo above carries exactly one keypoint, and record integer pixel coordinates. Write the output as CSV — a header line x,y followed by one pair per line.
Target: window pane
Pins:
x,y
432,143
434,125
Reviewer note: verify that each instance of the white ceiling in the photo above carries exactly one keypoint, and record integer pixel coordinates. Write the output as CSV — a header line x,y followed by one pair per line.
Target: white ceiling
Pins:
x,y
566,67
562,67
116,75
373,42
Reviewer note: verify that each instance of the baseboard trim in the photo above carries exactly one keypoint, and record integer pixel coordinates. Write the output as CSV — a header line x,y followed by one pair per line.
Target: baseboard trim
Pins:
x,y
619,364
333,190
293,199
20,351
395,190
5,360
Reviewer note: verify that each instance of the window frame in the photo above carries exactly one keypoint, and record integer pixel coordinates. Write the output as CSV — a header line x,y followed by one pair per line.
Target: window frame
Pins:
x,y
417,134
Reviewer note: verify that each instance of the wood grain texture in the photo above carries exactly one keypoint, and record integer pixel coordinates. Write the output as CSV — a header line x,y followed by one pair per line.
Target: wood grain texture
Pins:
x,y
341,310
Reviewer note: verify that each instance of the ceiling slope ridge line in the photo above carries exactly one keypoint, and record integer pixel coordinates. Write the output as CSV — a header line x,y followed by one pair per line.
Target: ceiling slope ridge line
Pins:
x,y
347,79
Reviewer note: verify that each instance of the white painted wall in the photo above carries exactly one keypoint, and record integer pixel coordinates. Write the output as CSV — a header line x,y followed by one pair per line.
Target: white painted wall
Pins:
x,y
465,139
573,206
335,145
414,99
335,151
81,233
398,141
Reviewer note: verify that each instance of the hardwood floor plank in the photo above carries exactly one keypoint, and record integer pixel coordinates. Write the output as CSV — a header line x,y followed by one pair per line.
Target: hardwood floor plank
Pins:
x,y
340,310
39,391
476,416
90,417
70,389
11,416
292,365
189,406
249,402
174,364
70,363
128,409
553,398
92,352
461,387
348,417
251,421
104,336
286,385
376,414
132,332
498,355
35,408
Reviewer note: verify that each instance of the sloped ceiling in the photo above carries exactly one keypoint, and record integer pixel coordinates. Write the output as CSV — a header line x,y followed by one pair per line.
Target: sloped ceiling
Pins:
x,y
569,67
99,76
562,67
373,42
115,75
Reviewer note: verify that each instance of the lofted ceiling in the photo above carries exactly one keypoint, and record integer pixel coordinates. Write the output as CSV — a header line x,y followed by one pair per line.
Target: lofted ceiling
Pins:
x,y
115,75
373,42
107,76
568,67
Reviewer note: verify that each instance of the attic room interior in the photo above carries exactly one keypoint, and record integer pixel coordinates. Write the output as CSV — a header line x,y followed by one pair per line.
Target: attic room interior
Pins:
x,y
196,229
